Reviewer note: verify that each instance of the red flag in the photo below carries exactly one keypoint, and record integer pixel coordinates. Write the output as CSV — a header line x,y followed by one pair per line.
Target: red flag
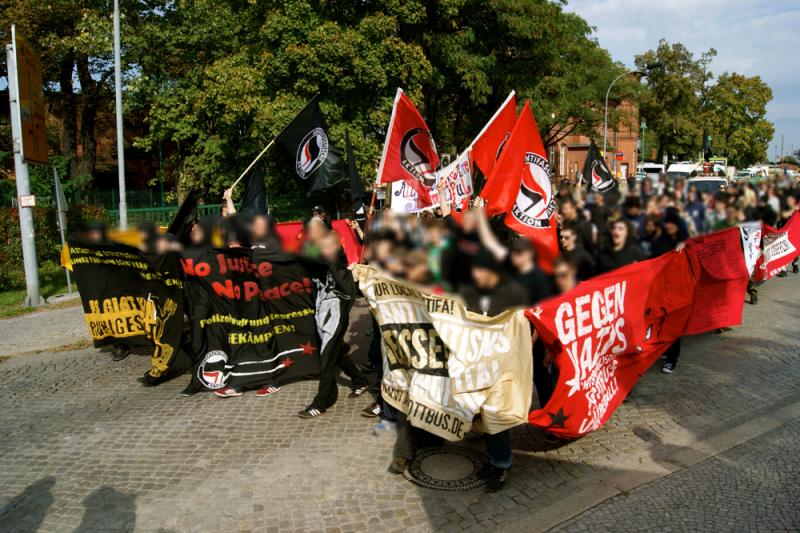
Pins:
x,y
409,153
291,236
717,261
489,143
605,334
520,187
780,247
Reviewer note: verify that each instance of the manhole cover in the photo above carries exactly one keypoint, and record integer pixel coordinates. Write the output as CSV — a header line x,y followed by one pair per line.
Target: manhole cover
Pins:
x,y
451,468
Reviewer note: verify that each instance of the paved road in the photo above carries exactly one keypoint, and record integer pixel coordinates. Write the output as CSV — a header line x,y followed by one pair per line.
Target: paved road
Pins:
x,y
753,487
43,330
84,446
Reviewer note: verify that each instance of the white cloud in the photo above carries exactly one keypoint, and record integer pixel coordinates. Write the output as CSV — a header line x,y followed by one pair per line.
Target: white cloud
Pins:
x,y
751,37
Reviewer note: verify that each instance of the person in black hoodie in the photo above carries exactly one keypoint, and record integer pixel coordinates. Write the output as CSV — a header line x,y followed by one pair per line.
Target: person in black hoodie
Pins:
x,y
671,238
491,293
621,251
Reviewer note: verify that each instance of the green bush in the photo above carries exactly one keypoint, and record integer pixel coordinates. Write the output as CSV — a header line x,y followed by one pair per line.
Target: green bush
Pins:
x,y
48,241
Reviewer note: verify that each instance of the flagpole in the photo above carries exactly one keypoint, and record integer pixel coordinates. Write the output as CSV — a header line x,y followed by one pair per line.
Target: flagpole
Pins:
x,y
251,165
367,223
496,113
273,141
385,143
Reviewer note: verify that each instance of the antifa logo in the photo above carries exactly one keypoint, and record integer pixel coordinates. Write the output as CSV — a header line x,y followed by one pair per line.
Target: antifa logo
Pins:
x,y
413,157
211,371
502,145
535,203
311,153
601,177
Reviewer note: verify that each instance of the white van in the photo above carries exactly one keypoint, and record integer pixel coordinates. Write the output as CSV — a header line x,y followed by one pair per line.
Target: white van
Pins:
x,y
682,170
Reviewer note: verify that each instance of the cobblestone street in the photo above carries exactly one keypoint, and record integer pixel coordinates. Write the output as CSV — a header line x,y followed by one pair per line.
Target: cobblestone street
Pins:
x,y
85,447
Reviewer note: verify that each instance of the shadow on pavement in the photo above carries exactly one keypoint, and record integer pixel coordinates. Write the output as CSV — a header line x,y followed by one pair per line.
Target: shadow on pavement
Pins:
x,y
26,512
107,509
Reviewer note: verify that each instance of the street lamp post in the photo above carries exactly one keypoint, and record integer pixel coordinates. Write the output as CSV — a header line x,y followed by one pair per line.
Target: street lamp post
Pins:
x,y
123,204
642,144
608,92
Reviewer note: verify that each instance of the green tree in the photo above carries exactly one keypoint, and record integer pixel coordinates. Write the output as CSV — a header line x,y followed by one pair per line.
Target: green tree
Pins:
x,y
736,108
673,103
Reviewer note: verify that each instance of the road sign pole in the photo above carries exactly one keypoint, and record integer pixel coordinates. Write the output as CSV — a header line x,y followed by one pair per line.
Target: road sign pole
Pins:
x,y
23,187
123,204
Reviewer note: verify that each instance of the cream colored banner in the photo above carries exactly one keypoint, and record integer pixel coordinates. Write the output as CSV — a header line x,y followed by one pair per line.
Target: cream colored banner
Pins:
x,y
447,368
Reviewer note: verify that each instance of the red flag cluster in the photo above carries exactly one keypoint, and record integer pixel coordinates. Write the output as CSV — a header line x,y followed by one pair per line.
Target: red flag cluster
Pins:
x,y
608,331
509,151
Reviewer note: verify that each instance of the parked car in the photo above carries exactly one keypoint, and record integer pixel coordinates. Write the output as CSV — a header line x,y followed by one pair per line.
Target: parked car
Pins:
x,y
709,184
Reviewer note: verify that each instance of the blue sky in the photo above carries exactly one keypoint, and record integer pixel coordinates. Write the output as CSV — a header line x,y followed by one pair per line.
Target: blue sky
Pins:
x,y
751,37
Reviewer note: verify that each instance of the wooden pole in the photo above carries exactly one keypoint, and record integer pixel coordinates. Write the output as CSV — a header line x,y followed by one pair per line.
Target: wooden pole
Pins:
x,y
251,165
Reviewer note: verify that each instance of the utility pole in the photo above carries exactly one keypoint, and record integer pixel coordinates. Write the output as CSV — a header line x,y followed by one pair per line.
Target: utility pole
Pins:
x,y
123,204
644,128
33,298
781,149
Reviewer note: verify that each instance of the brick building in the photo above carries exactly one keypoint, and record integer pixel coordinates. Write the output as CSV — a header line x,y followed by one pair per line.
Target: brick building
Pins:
x,y
569,155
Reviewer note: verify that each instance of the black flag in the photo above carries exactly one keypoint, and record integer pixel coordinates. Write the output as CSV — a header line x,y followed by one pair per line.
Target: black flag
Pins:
x,y
596,173
254,198
181,225
316,162
356,190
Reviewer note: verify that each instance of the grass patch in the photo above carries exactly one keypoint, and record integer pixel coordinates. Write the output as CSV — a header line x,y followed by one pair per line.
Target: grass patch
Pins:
x,y
12,303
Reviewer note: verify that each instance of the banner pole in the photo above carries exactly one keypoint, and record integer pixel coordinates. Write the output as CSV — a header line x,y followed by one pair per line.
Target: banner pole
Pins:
x,y
264,151
367,224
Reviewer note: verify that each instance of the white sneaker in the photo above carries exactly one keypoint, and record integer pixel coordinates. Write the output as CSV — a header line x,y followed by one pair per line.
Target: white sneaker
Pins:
x,y
384,428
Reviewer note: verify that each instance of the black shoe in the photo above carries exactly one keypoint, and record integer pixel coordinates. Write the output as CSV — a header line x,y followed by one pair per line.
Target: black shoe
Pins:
x,y
120,354
358,391
782,274
795,269
754,299
668,368
149,381
372,411
191,389
310,412
495,477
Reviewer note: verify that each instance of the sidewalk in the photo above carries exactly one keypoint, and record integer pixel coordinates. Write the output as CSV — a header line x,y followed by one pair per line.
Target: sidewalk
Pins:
x,y
43,330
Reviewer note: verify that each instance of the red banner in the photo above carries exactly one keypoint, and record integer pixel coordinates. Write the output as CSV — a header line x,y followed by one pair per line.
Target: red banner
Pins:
x,y
291,236
717,261
779,248
605,334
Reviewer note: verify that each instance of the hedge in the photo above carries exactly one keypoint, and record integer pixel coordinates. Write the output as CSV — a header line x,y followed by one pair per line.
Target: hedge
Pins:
x,y
48,241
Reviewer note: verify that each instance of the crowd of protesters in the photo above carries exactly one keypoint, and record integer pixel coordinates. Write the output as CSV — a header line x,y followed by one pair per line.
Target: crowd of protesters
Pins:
x,y
491,268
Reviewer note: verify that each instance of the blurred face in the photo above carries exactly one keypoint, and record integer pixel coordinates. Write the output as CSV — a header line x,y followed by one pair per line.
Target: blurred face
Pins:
x,y
619,234
417,273
259,228
565,278
731,213
568,211
671,229
484,278
568,239
521,259
316,230
383,249
329,248
649,226
197,235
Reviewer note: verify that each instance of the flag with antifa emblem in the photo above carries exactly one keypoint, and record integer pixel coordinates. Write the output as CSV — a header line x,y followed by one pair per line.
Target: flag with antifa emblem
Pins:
x,y
409,153
316,162
254,198
596,173
489,143
520,188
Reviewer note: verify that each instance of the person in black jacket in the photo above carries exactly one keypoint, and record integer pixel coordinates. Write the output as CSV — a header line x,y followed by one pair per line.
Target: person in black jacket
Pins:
x,y
621,251
491,293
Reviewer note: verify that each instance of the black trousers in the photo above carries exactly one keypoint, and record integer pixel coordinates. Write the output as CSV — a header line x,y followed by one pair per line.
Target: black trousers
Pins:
x,y
542,379
673,352
328,391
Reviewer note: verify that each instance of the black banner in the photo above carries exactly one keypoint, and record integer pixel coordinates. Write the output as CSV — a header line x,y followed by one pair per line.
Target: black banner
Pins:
x,y
269,319
131,298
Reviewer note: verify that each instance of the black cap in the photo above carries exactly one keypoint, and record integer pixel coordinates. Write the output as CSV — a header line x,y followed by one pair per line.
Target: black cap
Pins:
x,y
319,209
485,259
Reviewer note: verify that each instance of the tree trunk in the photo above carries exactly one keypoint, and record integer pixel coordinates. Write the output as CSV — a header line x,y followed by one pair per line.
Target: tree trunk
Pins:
x,y
90,97
69,133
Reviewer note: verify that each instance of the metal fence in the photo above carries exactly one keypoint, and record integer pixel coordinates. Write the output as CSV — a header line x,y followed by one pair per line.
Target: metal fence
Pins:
x,y
162,216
